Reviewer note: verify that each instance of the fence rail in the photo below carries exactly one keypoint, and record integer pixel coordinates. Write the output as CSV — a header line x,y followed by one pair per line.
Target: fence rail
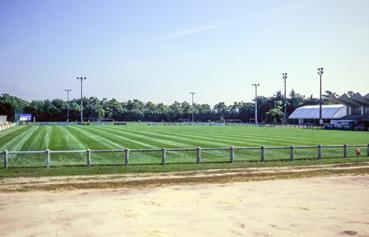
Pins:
x,y
7,125
125,156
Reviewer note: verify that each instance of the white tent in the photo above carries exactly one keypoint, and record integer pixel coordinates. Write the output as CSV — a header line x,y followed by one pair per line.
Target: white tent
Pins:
x,y
312,112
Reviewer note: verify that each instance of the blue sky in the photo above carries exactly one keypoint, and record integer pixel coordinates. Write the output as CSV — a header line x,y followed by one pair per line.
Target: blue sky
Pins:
x,y
161,50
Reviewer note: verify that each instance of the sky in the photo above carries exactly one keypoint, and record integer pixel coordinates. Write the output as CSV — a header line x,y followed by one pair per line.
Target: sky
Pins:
x,y
161,50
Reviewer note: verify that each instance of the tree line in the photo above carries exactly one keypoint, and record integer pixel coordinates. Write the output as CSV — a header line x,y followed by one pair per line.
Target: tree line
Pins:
x,y
270,109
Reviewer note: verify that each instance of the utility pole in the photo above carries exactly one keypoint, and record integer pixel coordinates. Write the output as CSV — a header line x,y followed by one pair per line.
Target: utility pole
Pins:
x,y
68,90
284,76
320,73
81,79
192,94
256,102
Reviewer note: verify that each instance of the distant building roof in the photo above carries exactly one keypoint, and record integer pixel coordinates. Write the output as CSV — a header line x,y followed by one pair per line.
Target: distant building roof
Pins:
x,y
350,99
312,112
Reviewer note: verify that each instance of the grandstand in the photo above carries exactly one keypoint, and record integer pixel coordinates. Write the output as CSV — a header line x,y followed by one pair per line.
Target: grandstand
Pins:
x,y
357,117
357,105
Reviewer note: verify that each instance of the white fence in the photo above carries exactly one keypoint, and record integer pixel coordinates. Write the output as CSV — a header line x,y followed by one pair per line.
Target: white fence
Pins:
x,y
6,126
164,156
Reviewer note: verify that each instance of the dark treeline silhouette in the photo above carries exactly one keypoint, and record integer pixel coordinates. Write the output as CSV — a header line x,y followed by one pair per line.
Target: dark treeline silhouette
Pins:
x,y
269,108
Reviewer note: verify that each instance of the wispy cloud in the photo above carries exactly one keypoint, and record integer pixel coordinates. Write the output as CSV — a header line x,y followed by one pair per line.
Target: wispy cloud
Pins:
x,y
189,31
270,13
290,8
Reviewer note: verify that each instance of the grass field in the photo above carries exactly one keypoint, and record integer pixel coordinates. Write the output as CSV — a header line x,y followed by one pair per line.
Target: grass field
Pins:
x,y
158,136
95,137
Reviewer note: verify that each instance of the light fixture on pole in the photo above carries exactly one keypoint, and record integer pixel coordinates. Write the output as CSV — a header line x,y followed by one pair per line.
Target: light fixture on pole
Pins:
x,y
68,90
284,76
81,79
256,102
320,73
192,94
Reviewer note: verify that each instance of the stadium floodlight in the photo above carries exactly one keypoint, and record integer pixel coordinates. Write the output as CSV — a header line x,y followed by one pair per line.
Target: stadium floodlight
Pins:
x,y
256,102
192,106
284,76
81,79
320,73
68,90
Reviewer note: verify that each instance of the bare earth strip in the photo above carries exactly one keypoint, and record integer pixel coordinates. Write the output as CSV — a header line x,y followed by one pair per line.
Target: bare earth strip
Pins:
x,y
133,180
333,201
328,206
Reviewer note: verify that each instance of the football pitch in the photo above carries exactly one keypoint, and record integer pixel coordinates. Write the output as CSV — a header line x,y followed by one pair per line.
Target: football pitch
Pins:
x,y
143,136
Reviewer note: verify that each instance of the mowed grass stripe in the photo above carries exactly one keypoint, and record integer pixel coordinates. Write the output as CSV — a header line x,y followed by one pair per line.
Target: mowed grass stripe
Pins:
x,y
157,139
300,136
194,139
171,139
91,139
9,131
127,140
197,138
208,155
226,138
37,141
120,141
191,139
16,143
13,135
58,138
61,139
72,141
207,139
247,139
280,136
142,136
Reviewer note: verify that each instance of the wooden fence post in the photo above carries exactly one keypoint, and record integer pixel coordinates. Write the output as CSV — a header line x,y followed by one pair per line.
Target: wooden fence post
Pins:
x,y
126,156
319,152
47,160
6,164
88,158
292,152
198,155
345,151
231,154
262,153
163,156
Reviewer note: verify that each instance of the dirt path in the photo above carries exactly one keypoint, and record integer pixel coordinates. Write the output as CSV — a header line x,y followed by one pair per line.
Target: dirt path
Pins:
x,y
320,206
174,178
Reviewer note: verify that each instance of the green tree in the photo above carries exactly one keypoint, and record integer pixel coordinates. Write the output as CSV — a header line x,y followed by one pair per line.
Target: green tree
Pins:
x,y
274,115
11,105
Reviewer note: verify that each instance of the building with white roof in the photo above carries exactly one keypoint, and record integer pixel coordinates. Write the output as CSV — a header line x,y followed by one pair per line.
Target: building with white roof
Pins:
x,y
310,113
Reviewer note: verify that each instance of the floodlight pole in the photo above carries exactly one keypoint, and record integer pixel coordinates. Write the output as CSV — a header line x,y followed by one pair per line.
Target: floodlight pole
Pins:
x,y
320,72
81,79
284,76
256,102
68,90
192,94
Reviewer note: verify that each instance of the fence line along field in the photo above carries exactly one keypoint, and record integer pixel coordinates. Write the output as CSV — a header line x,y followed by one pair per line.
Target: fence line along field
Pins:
x,y
135,136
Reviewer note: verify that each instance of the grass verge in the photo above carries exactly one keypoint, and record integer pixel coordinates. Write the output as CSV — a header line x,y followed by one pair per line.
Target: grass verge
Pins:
x,y
101,170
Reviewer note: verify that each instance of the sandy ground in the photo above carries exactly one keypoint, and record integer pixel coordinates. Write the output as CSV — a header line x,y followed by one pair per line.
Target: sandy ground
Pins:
x,y
324,206
147,180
